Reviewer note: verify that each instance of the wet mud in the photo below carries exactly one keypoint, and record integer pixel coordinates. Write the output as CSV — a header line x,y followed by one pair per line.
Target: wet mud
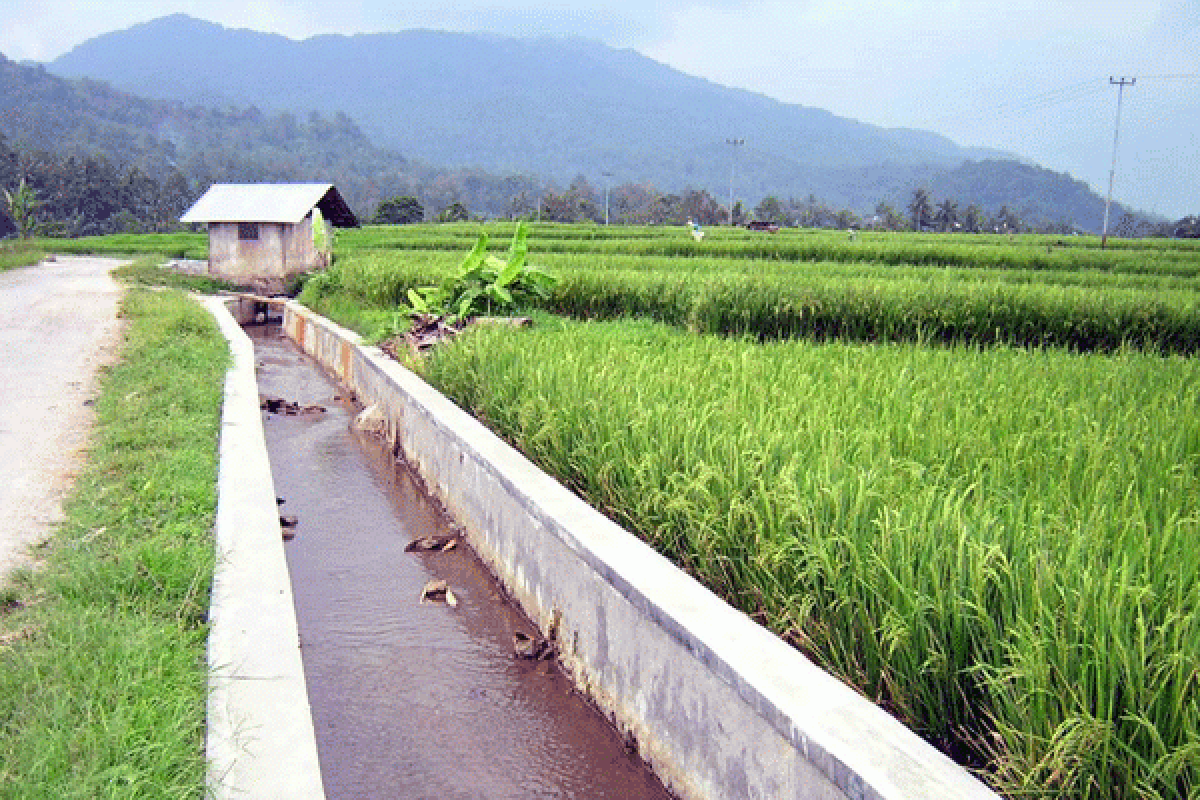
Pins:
x,y
415,696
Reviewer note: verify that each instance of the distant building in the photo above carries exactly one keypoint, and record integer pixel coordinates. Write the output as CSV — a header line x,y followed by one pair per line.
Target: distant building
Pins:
x,y
261,233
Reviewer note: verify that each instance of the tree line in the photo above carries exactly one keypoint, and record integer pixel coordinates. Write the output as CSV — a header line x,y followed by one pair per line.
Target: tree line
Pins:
x,y
50,194
640,204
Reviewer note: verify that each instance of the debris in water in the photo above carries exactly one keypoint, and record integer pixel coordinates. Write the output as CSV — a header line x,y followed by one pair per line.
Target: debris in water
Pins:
x,y
440,544
278,405
532,648
439,592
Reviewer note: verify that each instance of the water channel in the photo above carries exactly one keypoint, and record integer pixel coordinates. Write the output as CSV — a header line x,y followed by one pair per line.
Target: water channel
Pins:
x,y
414,699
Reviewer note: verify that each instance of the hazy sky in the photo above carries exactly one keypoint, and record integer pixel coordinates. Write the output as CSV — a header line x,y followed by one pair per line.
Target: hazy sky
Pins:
x,y
1029,77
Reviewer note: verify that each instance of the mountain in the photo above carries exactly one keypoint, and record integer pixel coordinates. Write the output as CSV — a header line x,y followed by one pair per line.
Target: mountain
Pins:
x,y
555,108
560,106
240,105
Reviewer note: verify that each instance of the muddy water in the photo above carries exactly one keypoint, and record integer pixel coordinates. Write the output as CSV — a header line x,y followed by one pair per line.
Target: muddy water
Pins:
x,y
412,699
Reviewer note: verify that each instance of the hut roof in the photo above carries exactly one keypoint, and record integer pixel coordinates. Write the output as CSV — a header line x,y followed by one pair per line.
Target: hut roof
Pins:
x,y
270,202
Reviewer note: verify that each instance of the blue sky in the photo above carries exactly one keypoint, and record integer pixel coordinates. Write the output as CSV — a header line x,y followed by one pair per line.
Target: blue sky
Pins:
x,y
1029,77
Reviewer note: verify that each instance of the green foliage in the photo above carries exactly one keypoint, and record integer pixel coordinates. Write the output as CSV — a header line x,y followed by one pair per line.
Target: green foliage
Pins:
x,y
22,205
484,283
455,212
320,233
995,544
770,210
22,254
148,271
404,210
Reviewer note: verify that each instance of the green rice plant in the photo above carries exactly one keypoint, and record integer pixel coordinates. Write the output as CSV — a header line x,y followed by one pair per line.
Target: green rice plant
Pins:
x,y
1150,257
775,307
170,245
995,544
746,293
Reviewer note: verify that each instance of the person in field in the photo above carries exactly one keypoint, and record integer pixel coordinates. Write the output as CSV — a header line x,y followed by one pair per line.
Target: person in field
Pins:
x,y
694,227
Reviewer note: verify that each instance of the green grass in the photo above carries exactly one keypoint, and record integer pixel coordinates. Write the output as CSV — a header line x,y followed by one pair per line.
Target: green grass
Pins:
x,y
106,696
147,270
169,245
19,254
998,545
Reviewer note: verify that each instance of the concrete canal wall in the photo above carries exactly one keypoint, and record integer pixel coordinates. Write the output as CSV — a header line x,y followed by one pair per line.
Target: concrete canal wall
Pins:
x,y
260,742
719,706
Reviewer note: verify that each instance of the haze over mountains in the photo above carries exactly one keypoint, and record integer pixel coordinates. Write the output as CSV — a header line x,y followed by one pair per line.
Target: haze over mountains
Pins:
x,y
557,108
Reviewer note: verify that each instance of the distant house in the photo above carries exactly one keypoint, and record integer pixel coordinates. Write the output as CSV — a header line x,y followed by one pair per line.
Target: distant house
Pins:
x,y
261,233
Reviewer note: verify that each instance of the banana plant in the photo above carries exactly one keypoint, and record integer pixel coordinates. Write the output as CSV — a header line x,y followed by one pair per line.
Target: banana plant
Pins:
x,y
485,283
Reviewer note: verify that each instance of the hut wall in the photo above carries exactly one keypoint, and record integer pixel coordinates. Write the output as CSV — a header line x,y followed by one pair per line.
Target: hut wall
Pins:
x,y
266,262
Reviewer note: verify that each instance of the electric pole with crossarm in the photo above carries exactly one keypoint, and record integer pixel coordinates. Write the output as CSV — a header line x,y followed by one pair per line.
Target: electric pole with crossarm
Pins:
x,y
1120,83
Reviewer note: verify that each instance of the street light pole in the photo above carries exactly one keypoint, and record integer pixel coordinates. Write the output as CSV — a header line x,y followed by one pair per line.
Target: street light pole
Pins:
x,y
735,144
607,185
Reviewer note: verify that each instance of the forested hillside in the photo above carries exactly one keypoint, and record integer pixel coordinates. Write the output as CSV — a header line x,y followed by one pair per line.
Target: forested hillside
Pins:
x,y
63,133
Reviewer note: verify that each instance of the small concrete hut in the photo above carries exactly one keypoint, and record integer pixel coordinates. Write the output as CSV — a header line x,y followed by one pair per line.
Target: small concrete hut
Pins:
x,y
259,234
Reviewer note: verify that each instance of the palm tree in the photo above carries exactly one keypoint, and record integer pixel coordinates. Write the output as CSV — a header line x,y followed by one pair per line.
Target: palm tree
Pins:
x,y
974,221
920,208
947,215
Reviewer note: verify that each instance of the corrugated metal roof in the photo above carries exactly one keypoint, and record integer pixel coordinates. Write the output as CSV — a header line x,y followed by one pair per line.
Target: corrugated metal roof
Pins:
x,y
269,202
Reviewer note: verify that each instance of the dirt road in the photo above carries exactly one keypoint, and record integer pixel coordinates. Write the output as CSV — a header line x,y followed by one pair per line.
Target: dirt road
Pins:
x,y
58,324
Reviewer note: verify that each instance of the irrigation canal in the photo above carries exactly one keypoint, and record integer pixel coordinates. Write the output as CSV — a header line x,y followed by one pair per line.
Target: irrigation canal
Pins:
x,y
414,698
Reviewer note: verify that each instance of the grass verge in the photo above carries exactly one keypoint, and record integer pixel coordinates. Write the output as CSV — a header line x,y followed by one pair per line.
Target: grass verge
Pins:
x,y
19,254
148,270
103,678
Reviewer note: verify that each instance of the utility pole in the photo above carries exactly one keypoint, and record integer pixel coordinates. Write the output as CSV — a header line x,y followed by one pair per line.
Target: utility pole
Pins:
x,y
1120,83
735,144
607,185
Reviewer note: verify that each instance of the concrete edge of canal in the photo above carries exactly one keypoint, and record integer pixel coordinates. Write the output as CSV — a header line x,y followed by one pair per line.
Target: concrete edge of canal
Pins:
x,y
720,707
260,742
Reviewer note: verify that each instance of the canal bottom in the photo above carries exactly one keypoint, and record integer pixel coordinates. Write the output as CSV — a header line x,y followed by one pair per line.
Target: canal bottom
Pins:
x,y
414,699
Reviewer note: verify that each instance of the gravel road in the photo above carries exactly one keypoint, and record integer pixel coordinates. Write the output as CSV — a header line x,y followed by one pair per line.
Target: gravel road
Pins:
x,y
58,324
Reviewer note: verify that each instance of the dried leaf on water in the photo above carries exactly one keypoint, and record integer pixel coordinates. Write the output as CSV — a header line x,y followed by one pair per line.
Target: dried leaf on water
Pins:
x,y
440,544
532,648
439,592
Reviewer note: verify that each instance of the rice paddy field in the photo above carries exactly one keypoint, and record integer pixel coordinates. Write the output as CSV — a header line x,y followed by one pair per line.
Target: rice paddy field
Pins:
x,y
962,473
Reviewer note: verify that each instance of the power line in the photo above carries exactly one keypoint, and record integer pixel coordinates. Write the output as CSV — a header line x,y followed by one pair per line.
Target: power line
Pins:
x,y
1182,76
